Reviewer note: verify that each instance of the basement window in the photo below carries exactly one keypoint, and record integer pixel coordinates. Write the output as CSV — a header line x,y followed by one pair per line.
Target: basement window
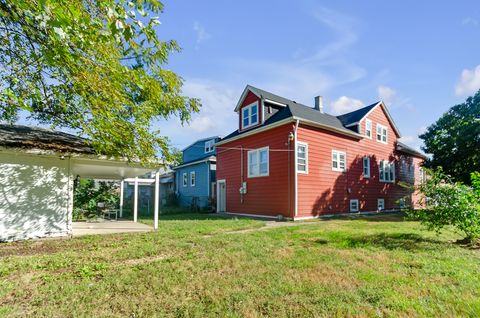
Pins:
x,y
354,205
380,204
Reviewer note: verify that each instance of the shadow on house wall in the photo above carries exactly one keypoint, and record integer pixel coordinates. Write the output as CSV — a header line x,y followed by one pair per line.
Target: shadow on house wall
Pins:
x,y
34,196
351,184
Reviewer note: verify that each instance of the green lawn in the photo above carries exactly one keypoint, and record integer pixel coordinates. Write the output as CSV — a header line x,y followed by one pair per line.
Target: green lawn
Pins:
x,y
204,266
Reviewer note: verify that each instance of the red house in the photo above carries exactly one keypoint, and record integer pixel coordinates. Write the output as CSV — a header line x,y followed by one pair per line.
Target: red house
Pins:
x,y
289,159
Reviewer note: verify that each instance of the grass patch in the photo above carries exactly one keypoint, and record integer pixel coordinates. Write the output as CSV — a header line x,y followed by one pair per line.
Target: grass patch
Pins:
x,y
205,265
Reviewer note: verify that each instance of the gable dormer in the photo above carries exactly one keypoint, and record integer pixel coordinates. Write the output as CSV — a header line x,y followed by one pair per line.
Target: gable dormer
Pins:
x,y
200,149
255,106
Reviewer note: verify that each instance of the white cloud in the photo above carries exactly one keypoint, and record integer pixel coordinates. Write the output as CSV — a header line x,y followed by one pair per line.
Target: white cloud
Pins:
x,y
470,21
345,104
469,82
304,77
387,94
202,34
216,116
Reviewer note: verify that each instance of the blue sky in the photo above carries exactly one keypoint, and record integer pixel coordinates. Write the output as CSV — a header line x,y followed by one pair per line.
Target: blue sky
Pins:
x,y
420,57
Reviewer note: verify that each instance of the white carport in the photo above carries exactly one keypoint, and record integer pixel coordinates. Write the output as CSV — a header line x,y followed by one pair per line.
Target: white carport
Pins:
x,y
108,169
37,171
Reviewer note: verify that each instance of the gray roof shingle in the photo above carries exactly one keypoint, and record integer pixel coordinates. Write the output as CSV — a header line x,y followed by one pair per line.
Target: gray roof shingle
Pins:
x,y
26,137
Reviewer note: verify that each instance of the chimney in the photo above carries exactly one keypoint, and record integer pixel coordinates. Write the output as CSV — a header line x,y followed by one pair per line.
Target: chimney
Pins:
x,y
319,103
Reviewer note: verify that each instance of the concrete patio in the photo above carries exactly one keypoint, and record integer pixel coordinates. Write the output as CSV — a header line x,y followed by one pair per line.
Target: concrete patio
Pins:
x,y
108,227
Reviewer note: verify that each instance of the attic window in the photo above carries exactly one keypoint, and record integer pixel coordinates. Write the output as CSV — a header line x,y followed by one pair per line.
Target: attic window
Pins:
x,y
250,115
209,146
382,134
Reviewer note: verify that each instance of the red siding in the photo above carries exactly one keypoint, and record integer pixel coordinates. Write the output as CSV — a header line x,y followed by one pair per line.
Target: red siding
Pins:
x,y
249,99
324,191
321,191
269,195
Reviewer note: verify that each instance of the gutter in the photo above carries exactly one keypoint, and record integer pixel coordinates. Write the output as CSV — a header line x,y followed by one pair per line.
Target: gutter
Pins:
x,y
286,121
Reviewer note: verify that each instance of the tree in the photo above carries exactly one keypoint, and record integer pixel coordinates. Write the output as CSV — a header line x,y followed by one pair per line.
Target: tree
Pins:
x,y
450,204
454,140
94,66
177,156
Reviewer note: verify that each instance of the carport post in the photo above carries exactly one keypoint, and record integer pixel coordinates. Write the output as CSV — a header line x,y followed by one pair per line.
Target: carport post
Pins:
x,y
157,194
135,201
122,184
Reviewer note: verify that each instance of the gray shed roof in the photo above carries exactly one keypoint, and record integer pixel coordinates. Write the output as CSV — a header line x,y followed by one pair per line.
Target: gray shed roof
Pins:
x,y
26,137
357,115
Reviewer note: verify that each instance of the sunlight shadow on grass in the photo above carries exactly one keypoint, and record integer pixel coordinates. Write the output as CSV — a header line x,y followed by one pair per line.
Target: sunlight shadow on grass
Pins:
x,y
389,241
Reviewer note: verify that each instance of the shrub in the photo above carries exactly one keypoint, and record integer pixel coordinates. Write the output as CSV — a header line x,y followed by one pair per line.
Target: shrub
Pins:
x,y
87,195
450,203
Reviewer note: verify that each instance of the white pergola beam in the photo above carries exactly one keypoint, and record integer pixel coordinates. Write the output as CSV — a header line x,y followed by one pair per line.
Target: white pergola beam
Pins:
x,y
135,201
156,204
122,184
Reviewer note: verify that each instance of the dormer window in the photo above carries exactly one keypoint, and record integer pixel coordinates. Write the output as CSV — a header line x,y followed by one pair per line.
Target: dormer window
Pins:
x,y
209,146
250,115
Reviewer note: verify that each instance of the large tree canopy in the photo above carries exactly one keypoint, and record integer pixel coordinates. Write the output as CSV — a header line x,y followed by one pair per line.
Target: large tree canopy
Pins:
x,y
95,66
454,140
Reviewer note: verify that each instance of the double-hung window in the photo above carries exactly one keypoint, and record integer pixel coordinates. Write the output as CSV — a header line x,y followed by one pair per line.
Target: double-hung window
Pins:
x,y
250,115
258,165
338,160
382,134
380,204
386,171
368,128
184,179
366,167
209,146
354,205
192,178
302,157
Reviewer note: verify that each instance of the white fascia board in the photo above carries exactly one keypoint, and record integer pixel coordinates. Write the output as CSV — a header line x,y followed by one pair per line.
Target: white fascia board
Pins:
x,y
389,117
211,158
242,97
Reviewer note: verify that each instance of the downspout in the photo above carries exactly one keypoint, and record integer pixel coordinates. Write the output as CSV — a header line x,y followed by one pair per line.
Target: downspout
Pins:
x,y
241,172
70,196
295,168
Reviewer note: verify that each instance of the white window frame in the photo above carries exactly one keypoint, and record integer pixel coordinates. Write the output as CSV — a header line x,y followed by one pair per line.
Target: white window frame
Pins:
x,y
254,174
368,122
184,179
193,178
383,165
383,133
338,153
209,146
382,201
249,109
357,203
366,159
302,144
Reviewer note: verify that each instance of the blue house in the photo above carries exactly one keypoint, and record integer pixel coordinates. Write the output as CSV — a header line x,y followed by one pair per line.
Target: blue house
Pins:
x,y
195,178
